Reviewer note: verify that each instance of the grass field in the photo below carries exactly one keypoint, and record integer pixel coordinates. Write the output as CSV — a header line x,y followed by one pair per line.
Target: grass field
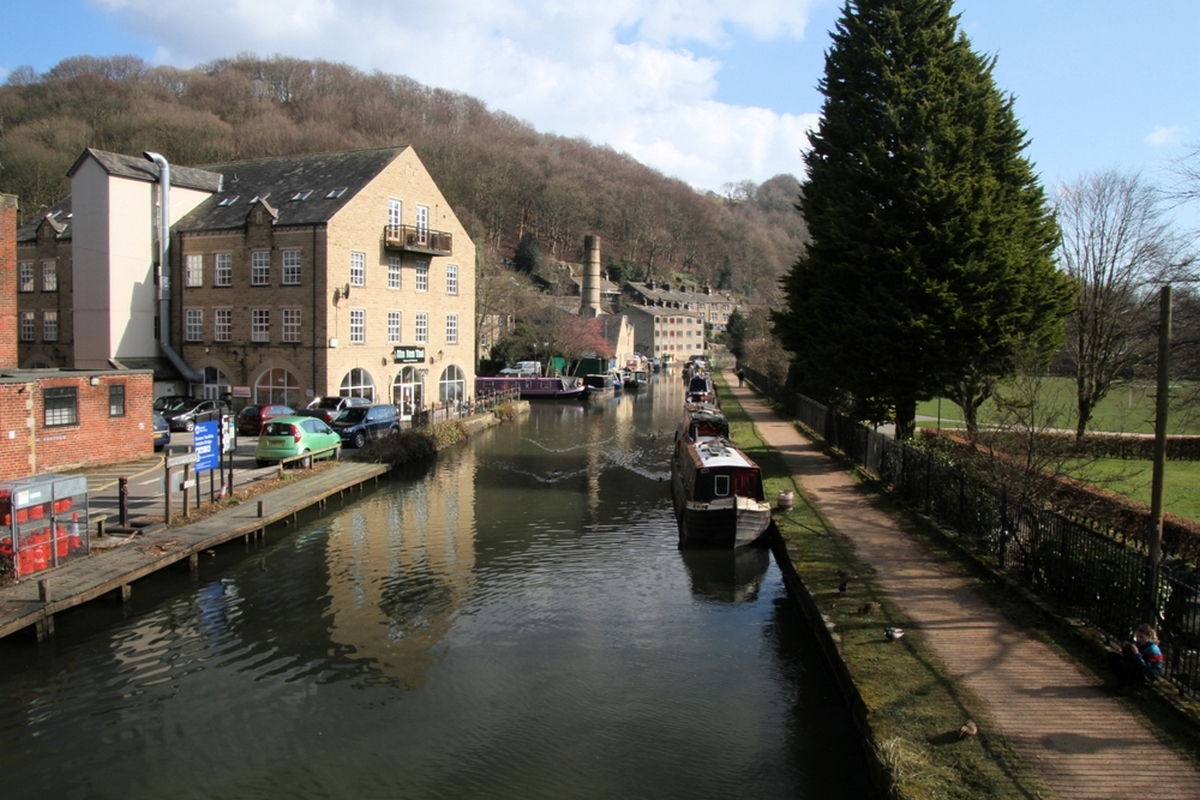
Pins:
x,y
1132,479
1129,409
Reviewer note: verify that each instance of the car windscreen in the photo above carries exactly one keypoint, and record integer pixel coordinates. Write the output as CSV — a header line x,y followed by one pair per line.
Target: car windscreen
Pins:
x,y
278,429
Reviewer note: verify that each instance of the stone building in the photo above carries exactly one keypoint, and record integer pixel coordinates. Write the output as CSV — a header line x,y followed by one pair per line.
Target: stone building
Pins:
x,y
287,278
711,307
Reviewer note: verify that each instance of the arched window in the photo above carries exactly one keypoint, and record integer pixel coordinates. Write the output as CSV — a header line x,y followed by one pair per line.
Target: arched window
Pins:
x,y
452,386
358,383
408,391
277,386
215,384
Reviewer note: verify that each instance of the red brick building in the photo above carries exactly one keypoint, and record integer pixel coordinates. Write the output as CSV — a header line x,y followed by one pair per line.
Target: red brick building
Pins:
x,y
53,419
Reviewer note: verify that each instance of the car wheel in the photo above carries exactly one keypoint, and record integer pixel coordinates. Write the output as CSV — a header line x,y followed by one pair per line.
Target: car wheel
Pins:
x,y
190,425
359,440
261,463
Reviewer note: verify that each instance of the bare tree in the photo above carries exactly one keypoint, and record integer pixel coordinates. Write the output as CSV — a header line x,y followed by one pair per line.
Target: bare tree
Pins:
x,y
1118,244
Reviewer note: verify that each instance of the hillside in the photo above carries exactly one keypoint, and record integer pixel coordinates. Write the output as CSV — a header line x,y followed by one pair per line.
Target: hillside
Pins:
x,y
502,177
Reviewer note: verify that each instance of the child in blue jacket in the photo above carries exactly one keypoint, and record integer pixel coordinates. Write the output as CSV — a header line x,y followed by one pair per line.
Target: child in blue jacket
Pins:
x,y
1140,661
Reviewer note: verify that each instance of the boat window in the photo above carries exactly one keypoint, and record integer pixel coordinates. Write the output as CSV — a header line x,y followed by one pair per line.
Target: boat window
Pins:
x,y
721,485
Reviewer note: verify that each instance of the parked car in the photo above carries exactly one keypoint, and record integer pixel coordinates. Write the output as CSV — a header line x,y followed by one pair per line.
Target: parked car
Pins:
x,y
183,417
285,437
167,402
162,431
251,418
326,408
357,424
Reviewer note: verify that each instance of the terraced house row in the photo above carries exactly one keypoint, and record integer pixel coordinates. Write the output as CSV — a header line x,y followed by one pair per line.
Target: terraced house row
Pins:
x,y
274,280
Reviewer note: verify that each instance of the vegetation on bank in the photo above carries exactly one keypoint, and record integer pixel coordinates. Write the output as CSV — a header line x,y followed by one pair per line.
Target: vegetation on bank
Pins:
x,y
913,709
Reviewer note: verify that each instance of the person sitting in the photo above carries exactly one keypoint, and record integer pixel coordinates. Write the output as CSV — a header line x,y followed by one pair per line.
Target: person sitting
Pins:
x,y
1140,662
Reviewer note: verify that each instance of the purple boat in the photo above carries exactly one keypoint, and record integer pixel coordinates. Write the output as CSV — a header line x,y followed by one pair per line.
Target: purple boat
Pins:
x,y
533,387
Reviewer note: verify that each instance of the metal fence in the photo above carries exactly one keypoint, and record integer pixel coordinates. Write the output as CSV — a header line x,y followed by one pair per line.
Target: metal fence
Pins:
x,y
1085,573
461,409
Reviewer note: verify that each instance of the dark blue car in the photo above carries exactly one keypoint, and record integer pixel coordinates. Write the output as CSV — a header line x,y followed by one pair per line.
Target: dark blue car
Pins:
x,y
357,424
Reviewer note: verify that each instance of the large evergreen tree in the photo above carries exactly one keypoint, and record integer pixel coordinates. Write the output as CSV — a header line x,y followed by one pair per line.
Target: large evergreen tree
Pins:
x,y
931,257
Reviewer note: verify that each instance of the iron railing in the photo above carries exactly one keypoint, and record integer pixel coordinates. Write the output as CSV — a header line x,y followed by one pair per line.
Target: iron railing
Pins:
x,y
1088,573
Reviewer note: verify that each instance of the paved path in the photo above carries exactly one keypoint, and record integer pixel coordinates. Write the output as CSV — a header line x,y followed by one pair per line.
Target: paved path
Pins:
x,y
1083,743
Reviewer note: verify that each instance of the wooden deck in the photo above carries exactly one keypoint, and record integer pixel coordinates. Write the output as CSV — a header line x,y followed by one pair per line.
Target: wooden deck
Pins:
x,y
36,599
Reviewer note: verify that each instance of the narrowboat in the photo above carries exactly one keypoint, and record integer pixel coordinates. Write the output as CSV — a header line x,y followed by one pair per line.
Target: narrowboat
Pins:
x,y
553,386
718,493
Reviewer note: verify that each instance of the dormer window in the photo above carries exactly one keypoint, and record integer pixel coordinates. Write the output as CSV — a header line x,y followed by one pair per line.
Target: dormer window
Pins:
x,y
336,193
258,197
301,195
228,201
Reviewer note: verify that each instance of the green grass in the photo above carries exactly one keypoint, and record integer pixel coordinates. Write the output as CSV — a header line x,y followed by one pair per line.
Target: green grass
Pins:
x,y
1181,479
1129,409
913,708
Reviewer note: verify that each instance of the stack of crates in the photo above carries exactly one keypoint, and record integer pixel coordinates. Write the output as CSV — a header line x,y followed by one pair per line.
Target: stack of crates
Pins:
x,y
44,522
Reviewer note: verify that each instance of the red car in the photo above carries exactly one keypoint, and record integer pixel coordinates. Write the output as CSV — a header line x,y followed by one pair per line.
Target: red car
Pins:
x,y
251,418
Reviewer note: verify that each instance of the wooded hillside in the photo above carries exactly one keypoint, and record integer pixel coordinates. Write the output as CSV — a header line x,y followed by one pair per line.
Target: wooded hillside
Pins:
x,y
503,178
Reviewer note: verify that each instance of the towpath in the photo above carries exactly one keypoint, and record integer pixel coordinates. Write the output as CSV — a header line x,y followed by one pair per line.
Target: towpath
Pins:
x,y
1083,742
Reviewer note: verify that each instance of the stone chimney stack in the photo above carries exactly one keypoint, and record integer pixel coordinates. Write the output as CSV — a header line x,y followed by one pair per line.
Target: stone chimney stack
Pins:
x,y
8,280
590,306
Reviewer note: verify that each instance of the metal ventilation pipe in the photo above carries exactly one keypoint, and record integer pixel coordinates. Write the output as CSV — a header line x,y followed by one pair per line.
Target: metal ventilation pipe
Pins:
x,y
164,269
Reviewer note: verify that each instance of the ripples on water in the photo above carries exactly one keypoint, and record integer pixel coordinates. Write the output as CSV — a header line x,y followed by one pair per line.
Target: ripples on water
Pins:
x,y
516,623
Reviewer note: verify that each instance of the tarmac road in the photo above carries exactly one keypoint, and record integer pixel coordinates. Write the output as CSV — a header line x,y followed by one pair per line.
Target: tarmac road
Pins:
x,y
146,480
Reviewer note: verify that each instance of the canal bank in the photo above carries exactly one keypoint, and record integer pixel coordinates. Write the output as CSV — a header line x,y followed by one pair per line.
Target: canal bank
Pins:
x,y
1024,696
110,571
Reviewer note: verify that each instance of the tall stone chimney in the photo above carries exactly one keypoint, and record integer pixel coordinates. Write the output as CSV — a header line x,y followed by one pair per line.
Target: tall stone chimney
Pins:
x,y
8,280
590,305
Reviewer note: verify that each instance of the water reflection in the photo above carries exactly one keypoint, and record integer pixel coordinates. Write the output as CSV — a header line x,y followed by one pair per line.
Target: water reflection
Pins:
x,y
515,622
728,576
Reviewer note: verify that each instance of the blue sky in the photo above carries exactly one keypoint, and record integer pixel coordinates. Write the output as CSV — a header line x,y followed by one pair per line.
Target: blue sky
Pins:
x,y
710,91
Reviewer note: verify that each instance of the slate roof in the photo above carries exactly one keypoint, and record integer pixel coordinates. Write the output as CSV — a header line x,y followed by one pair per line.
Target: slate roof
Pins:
x,y
60,212
283,182
141,168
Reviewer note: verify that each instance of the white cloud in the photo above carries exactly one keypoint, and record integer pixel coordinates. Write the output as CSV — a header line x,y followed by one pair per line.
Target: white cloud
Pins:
x,y
617,72
1166,135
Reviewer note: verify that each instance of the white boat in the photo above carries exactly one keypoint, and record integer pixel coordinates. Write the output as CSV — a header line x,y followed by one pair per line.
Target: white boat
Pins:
x,y
718,493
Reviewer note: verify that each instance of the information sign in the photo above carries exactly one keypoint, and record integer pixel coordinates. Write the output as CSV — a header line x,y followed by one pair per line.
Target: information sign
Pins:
x,y
208,452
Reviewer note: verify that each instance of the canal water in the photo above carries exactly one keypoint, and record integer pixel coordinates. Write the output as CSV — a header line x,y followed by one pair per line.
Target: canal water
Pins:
x,y
517,621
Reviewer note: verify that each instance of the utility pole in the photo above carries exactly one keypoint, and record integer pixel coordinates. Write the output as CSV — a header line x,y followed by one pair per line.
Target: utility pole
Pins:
x,y
1160,454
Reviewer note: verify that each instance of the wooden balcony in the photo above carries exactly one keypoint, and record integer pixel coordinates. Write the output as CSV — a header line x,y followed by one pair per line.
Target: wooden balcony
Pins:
x,y
418,240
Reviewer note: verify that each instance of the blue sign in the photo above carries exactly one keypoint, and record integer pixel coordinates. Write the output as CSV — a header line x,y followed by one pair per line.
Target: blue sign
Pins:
x,y
208,450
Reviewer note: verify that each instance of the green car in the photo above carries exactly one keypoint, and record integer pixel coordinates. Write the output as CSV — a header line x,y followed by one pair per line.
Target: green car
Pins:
x,y
285,437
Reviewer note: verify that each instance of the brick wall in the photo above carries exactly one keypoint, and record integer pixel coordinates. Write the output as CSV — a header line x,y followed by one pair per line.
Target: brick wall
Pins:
x,y
98,438
8,280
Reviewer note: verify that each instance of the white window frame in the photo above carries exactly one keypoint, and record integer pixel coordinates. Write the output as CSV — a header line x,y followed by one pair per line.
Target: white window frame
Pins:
x,y
452,279
193,326
291,324
260,267
222,324
25,276
452,329
292,262
50,326
28,326
394,319
260,324
422,222
358,326
395,213
422,282
222,269
193,270
395,273
49,276
422,322
358,268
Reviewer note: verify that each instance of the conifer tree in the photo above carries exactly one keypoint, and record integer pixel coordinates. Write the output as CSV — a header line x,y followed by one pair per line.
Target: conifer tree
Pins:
x,y
931,262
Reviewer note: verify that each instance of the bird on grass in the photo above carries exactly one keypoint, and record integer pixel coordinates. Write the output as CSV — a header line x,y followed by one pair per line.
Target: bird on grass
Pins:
x,y
968,730
893,634
868,608
846,576
842,587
